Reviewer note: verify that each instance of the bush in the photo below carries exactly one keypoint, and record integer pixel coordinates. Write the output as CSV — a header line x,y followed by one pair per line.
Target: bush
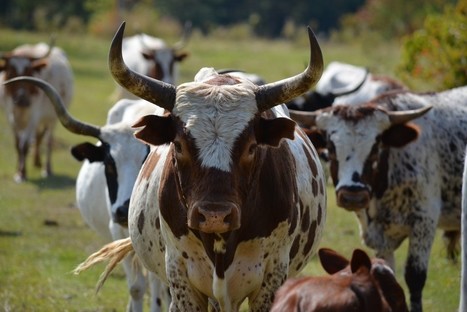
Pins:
x,y
436,53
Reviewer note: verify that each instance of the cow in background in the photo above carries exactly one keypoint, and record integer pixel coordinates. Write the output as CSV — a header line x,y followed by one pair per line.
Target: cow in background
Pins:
x,y
152,57
398,166
463,288
105,181
343,83
29,112
361,285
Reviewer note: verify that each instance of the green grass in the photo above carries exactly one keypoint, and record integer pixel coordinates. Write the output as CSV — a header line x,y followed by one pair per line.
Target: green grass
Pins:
x,y
36,259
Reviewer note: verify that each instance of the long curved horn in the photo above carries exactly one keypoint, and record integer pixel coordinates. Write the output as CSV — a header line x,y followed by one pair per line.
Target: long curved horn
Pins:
x,y
399,117
185,36
152,90
70,123
304,118
282,91
352,88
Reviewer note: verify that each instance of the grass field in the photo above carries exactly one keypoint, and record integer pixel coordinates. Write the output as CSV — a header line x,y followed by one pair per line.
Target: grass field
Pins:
x,y
42,236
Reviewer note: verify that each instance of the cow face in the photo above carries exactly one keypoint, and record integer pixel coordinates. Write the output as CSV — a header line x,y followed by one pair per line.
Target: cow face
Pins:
x,y
357,138
163,63
122,157
18,65
216,136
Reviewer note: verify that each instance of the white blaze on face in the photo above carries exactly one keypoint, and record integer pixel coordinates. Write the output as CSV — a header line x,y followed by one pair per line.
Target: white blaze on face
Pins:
x,y
215,116
353,142
165,58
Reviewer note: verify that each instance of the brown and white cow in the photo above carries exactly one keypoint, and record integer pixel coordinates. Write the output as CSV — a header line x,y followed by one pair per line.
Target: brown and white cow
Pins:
x,y
398,165
231,200
361,285
29,112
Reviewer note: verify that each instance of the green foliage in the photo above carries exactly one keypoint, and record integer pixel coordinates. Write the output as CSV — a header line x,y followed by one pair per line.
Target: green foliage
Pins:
x,y
437,52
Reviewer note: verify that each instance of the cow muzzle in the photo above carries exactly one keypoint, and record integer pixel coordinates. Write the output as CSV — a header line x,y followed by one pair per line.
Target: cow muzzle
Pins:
x,y
120,215
214,217
353,198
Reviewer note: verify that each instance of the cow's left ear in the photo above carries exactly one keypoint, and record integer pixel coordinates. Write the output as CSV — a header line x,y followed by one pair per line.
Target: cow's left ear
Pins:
x,y
331,261
88,151
39,64
157,130
180,56
272,131
400,135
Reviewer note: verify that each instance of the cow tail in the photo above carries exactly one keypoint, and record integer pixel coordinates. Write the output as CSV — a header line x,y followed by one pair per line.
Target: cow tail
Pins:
x,y
113,252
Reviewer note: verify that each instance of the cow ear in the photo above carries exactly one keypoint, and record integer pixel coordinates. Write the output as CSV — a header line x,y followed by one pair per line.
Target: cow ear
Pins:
x,y
316,136
157,130
39,64
331,261
88,151
391,289
360,259
272,131
180,56
400,135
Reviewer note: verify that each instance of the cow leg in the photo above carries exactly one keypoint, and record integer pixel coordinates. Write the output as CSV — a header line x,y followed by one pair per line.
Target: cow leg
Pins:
x,y
48,155
37,148
262,300
22,152
420,242
160,294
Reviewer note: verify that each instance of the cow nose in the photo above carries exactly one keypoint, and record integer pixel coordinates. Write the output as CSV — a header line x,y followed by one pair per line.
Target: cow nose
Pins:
x,y
353,198
214,217
120,215
21,100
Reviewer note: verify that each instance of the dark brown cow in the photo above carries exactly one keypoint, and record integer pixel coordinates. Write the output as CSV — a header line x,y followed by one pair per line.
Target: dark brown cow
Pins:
x,y
359,285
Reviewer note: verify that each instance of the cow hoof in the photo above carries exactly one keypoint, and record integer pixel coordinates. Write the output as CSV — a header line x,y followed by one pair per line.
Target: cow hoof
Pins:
x,y
19,178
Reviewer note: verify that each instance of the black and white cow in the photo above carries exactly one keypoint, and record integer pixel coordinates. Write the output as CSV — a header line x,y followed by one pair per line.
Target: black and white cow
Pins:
x,y
398,166
343,83
106,178
231,200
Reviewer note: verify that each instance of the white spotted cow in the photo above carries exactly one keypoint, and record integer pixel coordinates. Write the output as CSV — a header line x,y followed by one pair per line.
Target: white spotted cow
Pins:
x,y
398,165
29,112
231,200
152,57
106,178
343,83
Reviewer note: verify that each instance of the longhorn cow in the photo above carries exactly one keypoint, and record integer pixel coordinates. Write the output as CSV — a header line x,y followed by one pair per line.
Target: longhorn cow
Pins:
x,y
398,166
231,200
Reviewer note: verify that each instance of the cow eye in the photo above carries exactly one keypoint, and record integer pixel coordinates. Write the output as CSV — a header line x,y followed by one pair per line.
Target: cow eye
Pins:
x,y
252,149
177,146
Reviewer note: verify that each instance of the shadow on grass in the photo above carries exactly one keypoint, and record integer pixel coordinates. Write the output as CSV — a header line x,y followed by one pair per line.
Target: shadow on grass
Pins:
x,y
56,181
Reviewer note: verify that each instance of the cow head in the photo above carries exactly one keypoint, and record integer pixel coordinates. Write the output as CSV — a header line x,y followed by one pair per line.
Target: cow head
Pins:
x,y
164,59
357,138
16,64
217,130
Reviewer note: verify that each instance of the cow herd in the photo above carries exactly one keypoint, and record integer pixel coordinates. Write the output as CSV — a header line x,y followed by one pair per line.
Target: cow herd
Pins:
x,y
212,193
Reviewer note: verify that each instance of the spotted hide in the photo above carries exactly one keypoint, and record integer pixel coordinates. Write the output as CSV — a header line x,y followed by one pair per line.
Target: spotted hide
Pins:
x,y
398,165
231,200
29,112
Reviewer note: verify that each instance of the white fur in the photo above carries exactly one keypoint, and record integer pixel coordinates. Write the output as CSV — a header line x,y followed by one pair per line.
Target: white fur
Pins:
x,y
463,295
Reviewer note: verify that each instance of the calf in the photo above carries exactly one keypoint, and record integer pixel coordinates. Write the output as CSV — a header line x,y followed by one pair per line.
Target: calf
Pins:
x,y
358,285
29,112
398,190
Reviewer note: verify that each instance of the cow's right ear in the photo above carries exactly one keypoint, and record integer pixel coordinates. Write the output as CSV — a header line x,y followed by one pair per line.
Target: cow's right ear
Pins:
x,y
316,136
157,130
88,151
331,261
400,135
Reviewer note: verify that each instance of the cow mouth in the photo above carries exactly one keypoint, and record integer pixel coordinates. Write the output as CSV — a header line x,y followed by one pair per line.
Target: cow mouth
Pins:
x,y
353,200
